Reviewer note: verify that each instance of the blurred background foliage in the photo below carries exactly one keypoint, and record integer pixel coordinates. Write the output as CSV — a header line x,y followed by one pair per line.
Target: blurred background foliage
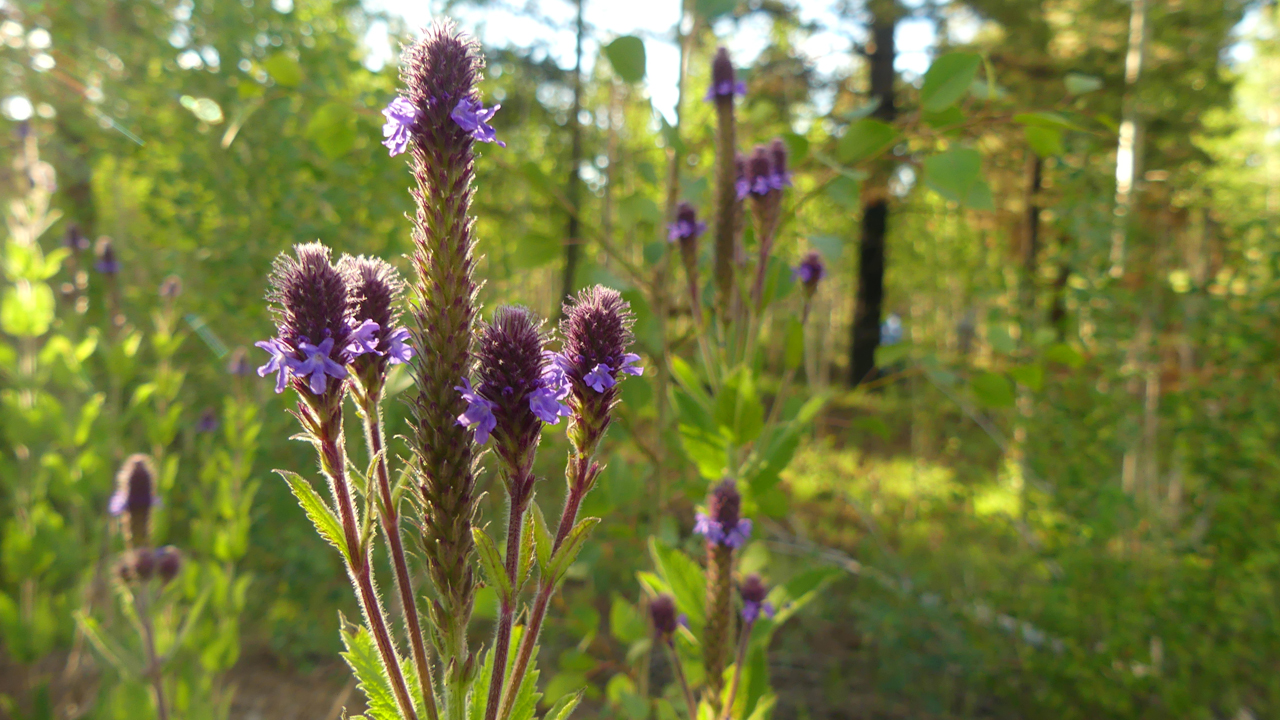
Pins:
x,y
1054,499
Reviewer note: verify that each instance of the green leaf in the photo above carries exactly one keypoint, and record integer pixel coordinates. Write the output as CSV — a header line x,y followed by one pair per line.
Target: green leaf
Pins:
x,y
844,191
638,208
711,9
536,250
689,380
317,509
793,354
873,425
993,390
332,128
626,54
27,309
1045,142
625,623
797,147
1079,84
864,139
687,581
110,650
528,550
947,80
491,563
947,118
738,407
1029,376
564,706
957,176
1064,354
542,538
371,678
284,70
1045,120
569,550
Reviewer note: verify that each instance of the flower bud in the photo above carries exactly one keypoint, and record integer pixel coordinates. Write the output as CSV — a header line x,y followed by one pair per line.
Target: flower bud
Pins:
x,y
662,612
722,523
143,562
753,593
724,82
810,272
107,263
168,563
134,498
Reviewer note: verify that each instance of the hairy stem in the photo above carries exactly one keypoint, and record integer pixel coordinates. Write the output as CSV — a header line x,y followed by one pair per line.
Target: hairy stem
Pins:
x,y
684,681
502,641
719,615
737,669
390,515
153,659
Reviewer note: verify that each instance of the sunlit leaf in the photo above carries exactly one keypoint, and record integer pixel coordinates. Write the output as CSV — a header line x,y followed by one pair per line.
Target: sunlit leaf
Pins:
x,y
284,70
993,390
865,139
957,176
947,80
627,56
332,127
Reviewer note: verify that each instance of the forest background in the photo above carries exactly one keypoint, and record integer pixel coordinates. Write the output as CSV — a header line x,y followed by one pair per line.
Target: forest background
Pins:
x,y
1042,477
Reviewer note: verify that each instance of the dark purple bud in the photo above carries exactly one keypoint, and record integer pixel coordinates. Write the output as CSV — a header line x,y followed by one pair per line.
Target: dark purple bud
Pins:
x,y
309,299
597,332
810,271
724,82
134,497
779,177
373,289
168,563
743,184
107,263
760,171
754,592
208,421
238,364
75,240
662,611
171,288
143,562
722,523
440,73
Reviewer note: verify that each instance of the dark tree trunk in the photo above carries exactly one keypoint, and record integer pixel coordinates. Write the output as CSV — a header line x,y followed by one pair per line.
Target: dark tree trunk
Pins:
x,y
875,208
573,245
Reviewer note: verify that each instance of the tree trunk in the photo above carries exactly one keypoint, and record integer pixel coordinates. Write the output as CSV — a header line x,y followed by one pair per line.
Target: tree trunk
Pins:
x,y
573,246
875,208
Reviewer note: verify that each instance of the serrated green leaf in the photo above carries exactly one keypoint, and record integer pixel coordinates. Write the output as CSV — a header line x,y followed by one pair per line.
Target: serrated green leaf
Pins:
x,y
371,678
797,147
528,551
957,176
687,581
564,706
491,563
864,139
947,80
626,55
569,550
322,516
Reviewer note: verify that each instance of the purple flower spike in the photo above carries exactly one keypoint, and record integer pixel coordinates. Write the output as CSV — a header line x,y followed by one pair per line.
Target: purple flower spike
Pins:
x,y
686,226
279,362
779,178
760,176
753,592
318,365
401,115
472,117
479,412
722,524
399,351
364,339
810,271
724,84
600,378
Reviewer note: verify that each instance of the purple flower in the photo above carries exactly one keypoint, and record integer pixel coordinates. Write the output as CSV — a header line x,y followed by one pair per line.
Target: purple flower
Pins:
x,y
472,117
400,351
753,592
364,339
600,378
401,115
107,263
135,487
279,362
629,366
810,270
479,412
686,226
547,406
208,421
779,178
742,185
751,611
723,81
760,175
723,524
318,365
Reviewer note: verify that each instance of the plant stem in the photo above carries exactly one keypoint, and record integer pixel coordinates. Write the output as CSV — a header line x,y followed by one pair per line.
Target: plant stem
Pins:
x,y
153,662
502,642
333,460
684,682
390,514
580,467
737,669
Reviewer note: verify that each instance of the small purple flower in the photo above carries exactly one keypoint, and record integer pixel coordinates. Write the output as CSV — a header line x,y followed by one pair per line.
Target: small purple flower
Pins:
x,y
600,378
687,226
400,351
629,366
724,84
753,592
363,339
401,115
715,532
779,177
759,174
810,270
479,412
742,185
472,117
107,263
208,421
279,362
318,365
544,403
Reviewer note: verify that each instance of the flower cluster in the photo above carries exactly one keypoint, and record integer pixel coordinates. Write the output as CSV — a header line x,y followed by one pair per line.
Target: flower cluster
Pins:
x,y
325,317
810,271
765,172
686,227
722,524
753,593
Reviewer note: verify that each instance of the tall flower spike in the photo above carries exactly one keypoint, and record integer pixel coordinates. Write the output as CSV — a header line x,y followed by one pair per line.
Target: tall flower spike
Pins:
x,y
724,82
134,497
728,194
438,72
725,530
686,229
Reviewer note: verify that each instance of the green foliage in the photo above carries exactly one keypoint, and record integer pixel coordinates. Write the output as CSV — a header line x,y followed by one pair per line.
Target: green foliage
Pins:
x,y
626,54
947,80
